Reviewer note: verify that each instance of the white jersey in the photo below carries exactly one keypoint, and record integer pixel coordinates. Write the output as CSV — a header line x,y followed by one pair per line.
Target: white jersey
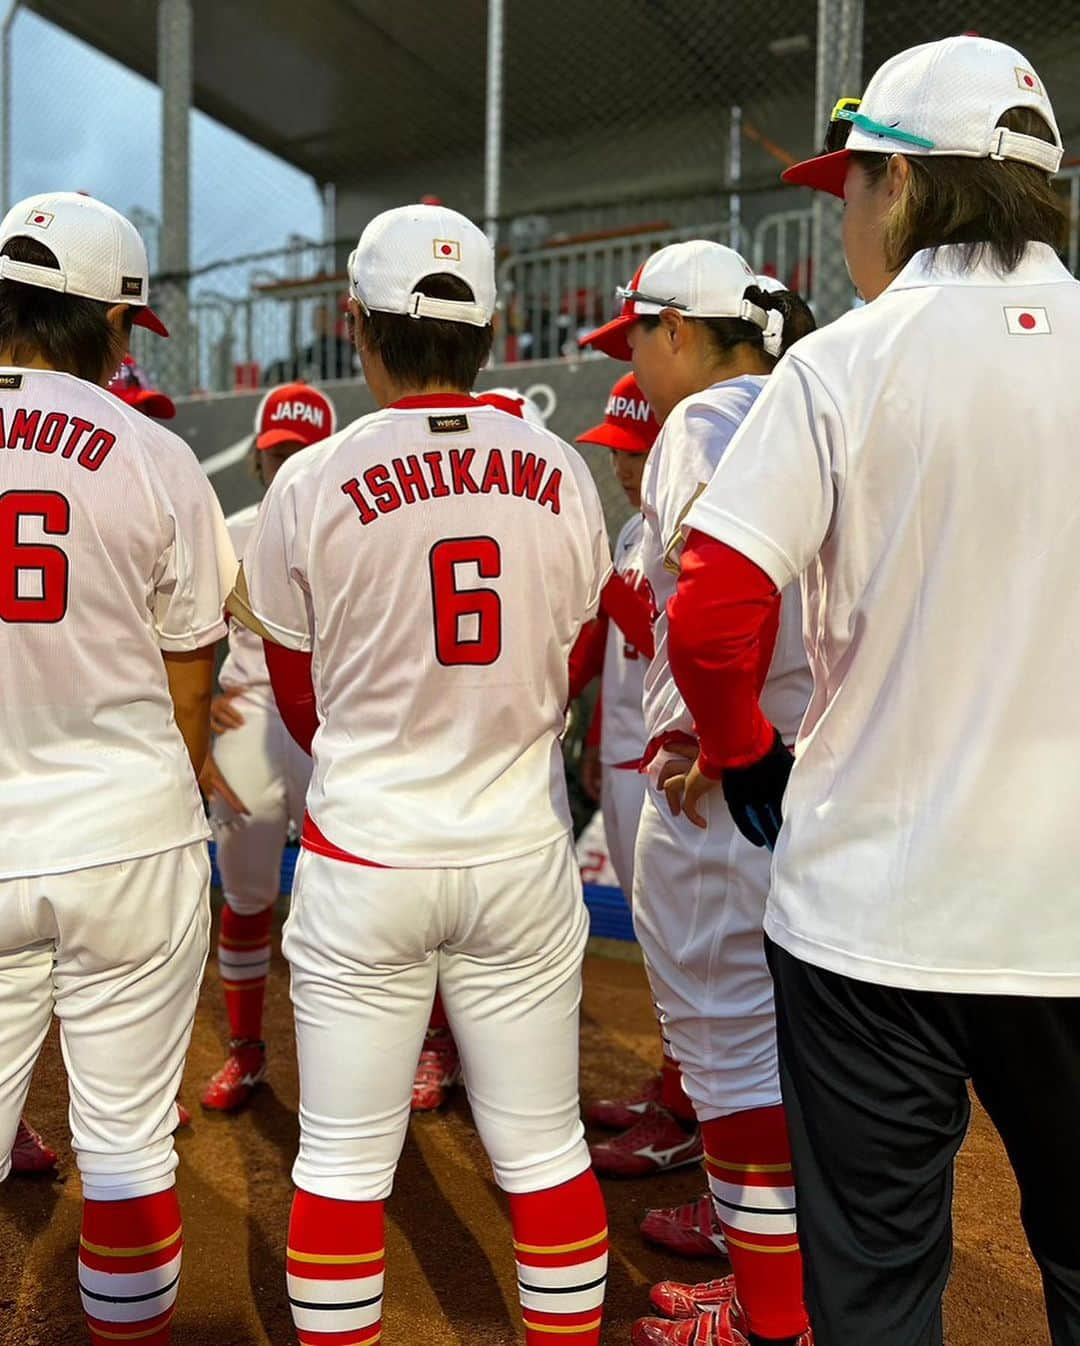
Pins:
x,y
245,663
113,549
691,443
914,463
622,722
439,557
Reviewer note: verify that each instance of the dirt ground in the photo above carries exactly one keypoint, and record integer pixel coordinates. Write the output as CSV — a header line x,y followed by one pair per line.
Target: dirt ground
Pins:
x,y
450,1271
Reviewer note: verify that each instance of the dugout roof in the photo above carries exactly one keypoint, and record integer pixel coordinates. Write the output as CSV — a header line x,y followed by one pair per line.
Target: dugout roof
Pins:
x,y
345,88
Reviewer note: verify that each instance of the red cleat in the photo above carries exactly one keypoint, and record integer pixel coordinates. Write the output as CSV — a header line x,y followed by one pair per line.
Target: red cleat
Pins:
x,y
437,1071
715,1328
691,1230
676,1300
620,1114
30,1154
244,1070
656,1144
183,1117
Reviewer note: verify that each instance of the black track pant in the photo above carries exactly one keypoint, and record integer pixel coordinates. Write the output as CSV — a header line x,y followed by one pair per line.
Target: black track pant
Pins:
x,y
875,1086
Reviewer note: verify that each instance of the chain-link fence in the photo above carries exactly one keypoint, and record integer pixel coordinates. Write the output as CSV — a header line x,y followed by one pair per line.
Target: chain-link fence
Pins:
x,y
615,126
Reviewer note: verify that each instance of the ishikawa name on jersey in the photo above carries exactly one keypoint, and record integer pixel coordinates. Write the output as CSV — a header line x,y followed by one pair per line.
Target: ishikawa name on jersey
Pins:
x,y
439,557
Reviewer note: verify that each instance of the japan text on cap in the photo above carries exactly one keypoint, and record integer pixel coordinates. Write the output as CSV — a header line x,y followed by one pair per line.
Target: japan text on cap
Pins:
x,y
699,278
942,98
100,253
400,247
131,385
293,413
629,425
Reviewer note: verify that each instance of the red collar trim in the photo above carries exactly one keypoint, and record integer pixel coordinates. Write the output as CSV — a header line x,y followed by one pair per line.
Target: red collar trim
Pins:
x,y
434,400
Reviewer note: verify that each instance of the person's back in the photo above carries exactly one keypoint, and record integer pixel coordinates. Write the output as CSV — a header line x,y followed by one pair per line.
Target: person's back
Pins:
x,y
99,580
920,623
450,554
114,566
419,580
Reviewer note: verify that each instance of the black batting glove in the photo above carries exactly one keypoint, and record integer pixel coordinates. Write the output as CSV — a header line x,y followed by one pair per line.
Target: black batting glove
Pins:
x,y
755,794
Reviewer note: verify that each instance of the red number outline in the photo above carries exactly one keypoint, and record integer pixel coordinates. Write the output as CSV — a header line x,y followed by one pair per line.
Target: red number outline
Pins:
x,y
449,603
54,511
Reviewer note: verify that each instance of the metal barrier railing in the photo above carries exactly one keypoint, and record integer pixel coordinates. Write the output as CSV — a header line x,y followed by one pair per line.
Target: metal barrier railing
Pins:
x,y
551,295
272,324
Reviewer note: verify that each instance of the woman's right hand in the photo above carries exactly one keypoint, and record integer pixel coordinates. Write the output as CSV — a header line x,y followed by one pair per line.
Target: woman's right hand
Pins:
x,y
223,714
214,786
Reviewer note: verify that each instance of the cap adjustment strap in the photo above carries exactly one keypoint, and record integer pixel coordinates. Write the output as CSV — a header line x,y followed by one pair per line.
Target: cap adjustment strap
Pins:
x,y
451,310
47,277
1006,144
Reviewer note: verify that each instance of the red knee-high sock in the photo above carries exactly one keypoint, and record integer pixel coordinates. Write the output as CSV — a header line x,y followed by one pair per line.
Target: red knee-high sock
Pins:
x,y
561,1246
334,1263
438,1018
129,1268
672,1094
748,1160
244,961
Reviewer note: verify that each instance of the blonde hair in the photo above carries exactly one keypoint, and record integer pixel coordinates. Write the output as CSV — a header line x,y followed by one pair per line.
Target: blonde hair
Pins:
x,y
987,206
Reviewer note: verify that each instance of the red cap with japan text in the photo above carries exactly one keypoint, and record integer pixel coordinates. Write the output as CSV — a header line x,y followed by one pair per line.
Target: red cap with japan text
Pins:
x,y
294,413
629,425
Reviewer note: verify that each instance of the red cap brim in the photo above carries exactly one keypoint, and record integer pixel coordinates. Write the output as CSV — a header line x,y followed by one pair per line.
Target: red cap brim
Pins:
x,y
823,173
272,438
158,405
611,338
146,317
615,437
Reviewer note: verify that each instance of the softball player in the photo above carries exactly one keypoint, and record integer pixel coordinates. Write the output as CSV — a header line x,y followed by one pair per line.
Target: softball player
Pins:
x,y
908,463
703,336
116,562
652,1139
436,560
256,776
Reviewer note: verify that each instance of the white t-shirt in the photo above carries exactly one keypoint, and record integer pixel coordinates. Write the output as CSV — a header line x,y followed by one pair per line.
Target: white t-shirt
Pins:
x,y
245,663
691,443
622,722
915,463
113,549
439,557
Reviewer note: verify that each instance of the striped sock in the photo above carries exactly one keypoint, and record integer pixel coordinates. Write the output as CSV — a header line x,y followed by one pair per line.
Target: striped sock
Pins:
x,y
561,1246
129,1268
335,1262
748,1160
244,962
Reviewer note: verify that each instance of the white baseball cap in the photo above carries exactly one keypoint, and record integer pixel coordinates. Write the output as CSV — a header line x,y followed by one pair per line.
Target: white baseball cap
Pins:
x,y
699,279
101,254
942,98
400,247
770,284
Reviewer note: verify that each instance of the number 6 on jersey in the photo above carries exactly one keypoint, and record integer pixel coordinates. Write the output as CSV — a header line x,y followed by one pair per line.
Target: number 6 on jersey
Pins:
x,y
459,640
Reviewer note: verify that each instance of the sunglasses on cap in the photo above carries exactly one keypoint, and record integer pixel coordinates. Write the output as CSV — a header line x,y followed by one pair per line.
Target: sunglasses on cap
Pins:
x,y
629,295
846,114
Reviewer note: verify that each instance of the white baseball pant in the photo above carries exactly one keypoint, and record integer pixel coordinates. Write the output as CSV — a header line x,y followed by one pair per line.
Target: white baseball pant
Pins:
x,y
270,772
118,952
622,792
699,904
505,944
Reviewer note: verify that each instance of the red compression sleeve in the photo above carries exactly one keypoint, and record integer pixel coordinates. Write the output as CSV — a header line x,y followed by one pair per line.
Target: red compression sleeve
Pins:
x,y
587,656
631,612
592,738
290,677
722,626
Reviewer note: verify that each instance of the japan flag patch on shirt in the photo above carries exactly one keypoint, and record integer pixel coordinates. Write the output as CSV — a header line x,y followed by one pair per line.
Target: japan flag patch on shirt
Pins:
x,y
1027,321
